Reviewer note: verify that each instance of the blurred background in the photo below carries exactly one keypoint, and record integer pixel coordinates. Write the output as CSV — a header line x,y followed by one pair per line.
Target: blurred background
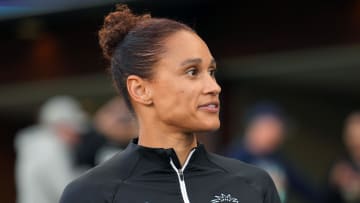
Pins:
x,y
303,56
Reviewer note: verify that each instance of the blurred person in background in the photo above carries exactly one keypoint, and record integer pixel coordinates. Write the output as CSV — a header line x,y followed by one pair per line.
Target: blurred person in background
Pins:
x,y
265,132
112,129
344,180
44,163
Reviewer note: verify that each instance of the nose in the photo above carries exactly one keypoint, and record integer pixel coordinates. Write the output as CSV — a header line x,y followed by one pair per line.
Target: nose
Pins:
x,y
211,86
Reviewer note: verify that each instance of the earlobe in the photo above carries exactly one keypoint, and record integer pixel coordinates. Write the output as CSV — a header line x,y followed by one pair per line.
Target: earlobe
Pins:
x,y
138,90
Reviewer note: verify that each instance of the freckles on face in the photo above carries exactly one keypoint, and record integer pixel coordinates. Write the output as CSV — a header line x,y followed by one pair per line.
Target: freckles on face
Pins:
x,y
185,93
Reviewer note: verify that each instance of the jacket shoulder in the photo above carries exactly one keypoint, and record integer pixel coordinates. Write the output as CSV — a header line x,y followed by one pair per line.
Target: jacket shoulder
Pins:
x,y
100,184
232,165
252,175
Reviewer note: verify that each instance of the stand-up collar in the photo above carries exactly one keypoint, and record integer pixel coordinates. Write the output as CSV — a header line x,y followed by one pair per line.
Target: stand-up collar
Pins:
x,y
162,156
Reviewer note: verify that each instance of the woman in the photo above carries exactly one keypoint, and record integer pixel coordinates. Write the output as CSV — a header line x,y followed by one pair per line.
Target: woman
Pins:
x,y
166,74
344,176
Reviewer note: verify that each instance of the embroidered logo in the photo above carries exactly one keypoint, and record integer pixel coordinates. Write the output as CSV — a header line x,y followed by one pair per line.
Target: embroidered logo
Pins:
x,y
224,198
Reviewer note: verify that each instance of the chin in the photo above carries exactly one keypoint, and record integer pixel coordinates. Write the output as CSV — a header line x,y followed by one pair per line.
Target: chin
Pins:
x,y
210,126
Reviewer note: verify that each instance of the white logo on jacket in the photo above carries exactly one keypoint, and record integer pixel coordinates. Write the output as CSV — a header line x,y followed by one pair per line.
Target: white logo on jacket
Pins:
x,y
224,198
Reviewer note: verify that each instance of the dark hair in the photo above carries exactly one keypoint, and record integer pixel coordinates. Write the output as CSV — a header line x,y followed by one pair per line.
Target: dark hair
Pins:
x,y
265,108
133,44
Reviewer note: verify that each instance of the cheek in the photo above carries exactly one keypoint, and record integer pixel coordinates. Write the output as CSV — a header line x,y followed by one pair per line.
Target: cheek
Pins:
x,y
179,101
176,105
173,93
167,97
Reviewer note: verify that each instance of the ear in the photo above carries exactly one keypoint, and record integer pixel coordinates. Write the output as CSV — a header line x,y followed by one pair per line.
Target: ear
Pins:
x,y
139,89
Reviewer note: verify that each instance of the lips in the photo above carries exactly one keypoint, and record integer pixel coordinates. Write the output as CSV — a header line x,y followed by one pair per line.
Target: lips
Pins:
x,y
212,107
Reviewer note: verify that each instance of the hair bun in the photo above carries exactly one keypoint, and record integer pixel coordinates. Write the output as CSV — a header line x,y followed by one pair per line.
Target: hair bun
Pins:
x,y
116,26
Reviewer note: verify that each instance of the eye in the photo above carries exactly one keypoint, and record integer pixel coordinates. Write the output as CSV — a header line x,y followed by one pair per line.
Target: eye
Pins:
x,y
212,72
192,71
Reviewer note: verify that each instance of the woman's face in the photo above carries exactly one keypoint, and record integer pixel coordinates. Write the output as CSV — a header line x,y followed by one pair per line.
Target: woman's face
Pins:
x,y
185,92
352,138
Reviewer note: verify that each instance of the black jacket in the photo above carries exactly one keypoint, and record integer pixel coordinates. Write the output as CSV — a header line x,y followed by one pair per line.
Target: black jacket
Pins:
x,y
147,175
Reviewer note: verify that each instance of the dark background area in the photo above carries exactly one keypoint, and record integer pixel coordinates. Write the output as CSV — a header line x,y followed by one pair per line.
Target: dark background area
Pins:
x,y
302,54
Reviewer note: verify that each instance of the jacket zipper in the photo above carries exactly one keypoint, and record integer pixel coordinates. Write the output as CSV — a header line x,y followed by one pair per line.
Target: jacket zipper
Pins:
x,y
180,174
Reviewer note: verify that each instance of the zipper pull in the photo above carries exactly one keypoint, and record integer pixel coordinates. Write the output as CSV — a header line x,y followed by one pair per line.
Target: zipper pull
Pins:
x,y
181,174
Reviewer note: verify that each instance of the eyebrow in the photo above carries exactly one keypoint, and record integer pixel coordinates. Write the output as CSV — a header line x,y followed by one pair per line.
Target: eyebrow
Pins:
x,y
197,61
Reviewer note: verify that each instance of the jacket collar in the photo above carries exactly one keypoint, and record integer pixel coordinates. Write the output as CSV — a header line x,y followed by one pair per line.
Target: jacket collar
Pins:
x,y
162,156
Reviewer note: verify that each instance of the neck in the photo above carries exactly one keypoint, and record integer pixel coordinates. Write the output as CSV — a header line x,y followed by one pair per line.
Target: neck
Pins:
x,y
356,158
182,143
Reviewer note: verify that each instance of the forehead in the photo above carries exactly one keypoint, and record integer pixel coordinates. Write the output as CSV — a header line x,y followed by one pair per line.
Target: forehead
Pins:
x,y
183,45
354,126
